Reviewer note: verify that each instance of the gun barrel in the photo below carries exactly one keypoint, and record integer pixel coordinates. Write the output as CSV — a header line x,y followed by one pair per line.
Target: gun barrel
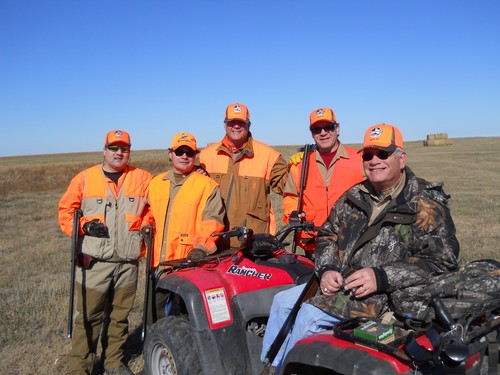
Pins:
x,y
75,243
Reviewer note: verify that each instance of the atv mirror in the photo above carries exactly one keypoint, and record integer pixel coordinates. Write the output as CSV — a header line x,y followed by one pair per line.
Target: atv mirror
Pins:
x,y
454,354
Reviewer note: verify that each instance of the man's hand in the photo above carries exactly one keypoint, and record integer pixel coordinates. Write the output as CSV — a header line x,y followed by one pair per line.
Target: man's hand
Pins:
x,y
200,170
361,283
196,254
95,228
144,232
331,282
296,158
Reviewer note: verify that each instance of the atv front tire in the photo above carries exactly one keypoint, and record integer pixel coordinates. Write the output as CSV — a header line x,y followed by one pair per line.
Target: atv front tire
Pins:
x,y
169,348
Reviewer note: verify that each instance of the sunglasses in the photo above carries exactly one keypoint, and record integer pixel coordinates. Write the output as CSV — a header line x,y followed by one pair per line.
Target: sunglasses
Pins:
x,y
327,128
116,148
189,153
382,155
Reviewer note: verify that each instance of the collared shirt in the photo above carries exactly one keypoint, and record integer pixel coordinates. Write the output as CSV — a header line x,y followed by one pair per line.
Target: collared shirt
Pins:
x,y
381,200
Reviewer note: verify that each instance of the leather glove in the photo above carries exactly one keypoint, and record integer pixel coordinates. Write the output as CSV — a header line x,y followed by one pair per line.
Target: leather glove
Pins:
x,y
95,228
296,158
196,254
296,217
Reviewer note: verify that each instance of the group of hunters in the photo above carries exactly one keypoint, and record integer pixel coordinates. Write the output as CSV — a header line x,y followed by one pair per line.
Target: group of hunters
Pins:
x,y
382,228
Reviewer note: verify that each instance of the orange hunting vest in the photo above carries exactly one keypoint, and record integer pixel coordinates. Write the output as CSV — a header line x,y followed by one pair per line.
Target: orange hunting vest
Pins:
x,y
186,226
121,207
319,198
244,183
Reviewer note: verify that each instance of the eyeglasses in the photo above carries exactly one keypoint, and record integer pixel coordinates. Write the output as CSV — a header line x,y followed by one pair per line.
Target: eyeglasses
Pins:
x,y
240,123
382,155
189,153
116,148
327,128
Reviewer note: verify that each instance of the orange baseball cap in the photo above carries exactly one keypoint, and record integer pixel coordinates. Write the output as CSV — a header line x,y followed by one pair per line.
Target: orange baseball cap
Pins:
x,y
383,136
117,136
322,114
237,111
183,139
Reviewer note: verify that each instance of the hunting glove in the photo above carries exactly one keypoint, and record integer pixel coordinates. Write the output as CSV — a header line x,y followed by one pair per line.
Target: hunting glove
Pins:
x,y
196,254
296,158
95,228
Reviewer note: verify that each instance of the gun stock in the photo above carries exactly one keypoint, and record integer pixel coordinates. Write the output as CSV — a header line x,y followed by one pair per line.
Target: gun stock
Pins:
x,y
308,291
150,282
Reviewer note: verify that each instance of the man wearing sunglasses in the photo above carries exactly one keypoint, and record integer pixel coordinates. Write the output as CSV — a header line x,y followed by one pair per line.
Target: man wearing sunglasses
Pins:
x,y
332,169
388,233
113,199
186,206
247,171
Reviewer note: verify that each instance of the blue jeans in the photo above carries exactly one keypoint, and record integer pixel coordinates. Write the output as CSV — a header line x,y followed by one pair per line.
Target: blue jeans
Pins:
x,y
309,320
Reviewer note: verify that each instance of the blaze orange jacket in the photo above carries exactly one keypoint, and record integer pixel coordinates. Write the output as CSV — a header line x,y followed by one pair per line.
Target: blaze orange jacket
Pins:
x,y
246,180
323,187
194,214
122,208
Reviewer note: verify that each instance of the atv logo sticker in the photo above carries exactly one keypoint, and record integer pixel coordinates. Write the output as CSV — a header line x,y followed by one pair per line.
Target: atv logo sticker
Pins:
x,y
251,272
217,305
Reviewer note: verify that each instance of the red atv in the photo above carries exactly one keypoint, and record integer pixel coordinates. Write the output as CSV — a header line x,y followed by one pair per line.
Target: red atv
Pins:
x,y
466,345
218,307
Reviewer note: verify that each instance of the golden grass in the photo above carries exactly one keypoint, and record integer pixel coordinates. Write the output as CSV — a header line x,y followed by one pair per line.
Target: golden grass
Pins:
x,y
35,255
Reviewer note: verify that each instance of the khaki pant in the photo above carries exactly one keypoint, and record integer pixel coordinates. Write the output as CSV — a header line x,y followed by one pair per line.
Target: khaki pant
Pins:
x,y
106,291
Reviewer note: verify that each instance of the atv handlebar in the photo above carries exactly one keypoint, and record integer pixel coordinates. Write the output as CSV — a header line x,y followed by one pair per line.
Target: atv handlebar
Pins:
x,y
243,232
239,232
295,226
442,313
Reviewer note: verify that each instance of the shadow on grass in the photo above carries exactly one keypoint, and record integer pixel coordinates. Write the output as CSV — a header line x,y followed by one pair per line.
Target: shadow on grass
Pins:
x,y
133,347
132,352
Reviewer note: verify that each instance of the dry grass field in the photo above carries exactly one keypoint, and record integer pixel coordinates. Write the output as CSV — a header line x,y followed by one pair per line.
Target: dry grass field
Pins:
x,y
35,255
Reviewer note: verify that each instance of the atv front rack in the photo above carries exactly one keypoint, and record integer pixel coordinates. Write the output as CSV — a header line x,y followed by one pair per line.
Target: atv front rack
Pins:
x,y
345,331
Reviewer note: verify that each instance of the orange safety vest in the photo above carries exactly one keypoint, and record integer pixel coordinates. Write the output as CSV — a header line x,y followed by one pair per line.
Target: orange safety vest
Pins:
x,y
245,183
319,198
186,226
122,207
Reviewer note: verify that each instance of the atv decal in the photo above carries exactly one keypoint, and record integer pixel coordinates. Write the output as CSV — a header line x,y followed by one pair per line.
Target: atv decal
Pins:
x,y
217,305
251,272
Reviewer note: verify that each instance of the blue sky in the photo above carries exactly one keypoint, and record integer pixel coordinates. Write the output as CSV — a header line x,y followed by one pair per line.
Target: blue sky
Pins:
x,y
72,70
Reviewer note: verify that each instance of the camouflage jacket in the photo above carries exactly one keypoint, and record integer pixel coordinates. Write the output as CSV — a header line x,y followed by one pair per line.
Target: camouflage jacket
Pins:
x,y
412,239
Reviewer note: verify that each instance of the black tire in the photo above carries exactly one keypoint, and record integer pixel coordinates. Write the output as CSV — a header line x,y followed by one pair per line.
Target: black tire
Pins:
x,y
169,348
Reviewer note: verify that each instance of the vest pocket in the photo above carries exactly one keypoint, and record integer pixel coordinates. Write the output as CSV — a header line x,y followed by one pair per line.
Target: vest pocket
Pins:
x,y
132,248
133,240
134,221
258,221
186,244
96,247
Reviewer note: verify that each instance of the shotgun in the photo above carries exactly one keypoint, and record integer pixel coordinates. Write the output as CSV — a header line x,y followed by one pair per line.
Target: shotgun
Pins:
x,y
308,291
150,281
303,179
75,251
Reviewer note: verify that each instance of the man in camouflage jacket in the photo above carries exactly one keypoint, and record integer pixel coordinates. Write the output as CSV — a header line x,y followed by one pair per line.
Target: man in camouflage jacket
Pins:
x,y
412,239
390,232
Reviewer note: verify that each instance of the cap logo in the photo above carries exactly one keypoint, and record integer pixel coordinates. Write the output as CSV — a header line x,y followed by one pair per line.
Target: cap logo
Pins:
x,y
320,112
376,132
118,133
237,109
183,137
